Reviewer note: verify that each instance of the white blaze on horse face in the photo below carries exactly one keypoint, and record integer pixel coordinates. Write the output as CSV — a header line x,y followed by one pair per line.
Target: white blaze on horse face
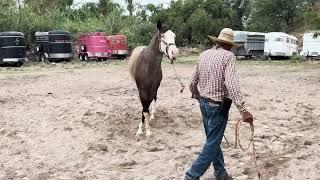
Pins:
x,y
168,46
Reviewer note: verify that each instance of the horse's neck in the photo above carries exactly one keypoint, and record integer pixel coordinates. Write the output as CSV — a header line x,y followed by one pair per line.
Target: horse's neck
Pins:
x,y
154,46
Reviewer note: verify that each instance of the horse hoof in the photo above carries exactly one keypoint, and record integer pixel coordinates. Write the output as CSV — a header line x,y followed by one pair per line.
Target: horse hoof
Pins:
x,y
139,134
149,134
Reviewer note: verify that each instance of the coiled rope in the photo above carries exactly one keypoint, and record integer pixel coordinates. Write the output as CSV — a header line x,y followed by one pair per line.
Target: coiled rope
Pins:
x,y
251,143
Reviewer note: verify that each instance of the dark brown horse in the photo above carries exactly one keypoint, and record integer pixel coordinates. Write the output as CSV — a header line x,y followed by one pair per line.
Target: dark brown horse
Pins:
x,y
145,69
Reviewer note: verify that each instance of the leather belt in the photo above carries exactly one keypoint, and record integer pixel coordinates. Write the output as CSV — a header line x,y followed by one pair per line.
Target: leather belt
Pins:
x,y
212,101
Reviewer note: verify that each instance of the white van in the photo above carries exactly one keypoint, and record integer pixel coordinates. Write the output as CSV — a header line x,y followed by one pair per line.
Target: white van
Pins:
x,y
279,45
311,45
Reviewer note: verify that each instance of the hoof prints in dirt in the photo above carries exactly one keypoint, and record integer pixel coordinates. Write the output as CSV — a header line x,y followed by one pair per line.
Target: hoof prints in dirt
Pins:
x,y
123,121
120,92
287,142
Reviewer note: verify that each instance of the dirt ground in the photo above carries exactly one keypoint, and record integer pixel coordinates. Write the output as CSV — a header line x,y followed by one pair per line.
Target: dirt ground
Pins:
x,y
78,121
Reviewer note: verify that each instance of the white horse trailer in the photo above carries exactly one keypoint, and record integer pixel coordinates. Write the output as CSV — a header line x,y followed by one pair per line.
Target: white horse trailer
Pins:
x,y
311,46
280,45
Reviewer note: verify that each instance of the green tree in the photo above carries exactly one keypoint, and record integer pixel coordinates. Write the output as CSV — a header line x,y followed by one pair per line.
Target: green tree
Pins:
x,y
276,15
152,8
107,6
142,12
240,11
130,6
42,6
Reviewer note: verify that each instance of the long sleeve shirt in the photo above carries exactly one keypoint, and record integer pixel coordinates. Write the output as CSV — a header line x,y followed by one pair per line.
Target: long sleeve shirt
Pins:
x,y
215,77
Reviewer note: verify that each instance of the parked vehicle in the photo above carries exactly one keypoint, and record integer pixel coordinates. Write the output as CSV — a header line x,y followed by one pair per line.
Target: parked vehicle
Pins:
x,y
12,48
119,46
280,45
252,44
53,45
311,46
94,46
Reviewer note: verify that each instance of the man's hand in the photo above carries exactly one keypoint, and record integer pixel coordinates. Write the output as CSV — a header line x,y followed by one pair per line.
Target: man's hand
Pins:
x,y
247,117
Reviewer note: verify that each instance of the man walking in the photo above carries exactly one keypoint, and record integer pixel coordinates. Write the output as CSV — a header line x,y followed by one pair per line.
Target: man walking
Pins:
x,y
217,80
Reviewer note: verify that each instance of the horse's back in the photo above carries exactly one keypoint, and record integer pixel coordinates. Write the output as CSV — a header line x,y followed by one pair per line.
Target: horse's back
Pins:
x,y
133,59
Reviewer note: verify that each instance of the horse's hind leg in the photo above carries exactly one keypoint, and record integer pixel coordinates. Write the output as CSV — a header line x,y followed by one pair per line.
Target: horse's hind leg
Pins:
x,y
153,110
147,124
146,116
139,132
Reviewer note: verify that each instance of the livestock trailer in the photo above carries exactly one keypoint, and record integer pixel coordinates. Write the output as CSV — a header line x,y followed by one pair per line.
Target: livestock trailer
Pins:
x,y
119,46
94,46
279,45
12,48
240,37
252,44
311,46
53,45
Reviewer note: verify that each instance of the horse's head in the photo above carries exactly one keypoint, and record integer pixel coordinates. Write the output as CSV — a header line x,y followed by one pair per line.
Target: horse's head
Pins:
x,y
167,42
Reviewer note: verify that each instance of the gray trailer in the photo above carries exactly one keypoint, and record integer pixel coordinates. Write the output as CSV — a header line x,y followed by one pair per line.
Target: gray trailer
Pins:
x,y
252,44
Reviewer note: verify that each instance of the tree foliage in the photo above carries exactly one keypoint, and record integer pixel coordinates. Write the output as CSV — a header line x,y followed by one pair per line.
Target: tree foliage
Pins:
x,y
279,15
191,20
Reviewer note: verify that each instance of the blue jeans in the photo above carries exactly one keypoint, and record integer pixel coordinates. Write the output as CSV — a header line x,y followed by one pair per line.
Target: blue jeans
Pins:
x,y
214,125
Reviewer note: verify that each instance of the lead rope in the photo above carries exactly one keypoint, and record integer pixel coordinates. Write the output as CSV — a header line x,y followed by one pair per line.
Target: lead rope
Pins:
x,y
177,77
237,141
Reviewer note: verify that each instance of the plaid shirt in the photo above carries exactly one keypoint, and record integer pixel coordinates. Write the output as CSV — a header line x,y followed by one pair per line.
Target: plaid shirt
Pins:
x,y
216,77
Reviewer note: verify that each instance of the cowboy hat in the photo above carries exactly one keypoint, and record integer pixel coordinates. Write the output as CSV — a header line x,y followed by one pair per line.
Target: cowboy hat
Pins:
x,y
226,36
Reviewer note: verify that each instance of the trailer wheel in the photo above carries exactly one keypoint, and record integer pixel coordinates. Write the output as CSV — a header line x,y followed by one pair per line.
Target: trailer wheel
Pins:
x,y
18,64
84,57
81,57
38,58
247,57
43,58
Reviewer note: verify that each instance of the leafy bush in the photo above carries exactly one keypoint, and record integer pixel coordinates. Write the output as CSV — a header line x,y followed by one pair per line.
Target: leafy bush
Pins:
x,y
297,59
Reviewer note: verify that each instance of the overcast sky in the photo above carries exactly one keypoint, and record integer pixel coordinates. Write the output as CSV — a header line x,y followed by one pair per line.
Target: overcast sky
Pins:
x,y
122,2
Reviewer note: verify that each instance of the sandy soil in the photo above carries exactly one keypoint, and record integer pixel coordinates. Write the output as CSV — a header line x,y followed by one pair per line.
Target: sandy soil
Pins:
x,y
71,122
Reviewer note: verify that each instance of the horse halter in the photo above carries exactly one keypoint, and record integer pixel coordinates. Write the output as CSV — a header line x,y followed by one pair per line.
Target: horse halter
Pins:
x,y
167,45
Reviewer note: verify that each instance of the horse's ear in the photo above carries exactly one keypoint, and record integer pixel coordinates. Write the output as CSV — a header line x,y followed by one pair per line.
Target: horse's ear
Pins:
x,y
159,25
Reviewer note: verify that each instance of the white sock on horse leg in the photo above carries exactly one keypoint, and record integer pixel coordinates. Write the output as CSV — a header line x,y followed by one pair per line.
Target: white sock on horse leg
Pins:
x,y
147,125
153,111
139,132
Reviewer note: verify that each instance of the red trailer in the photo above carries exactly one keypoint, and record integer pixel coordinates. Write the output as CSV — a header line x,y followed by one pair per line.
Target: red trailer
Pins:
x,y
119,46
94,46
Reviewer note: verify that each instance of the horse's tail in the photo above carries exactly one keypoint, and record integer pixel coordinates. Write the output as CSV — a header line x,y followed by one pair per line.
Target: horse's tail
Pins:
x,y
133,60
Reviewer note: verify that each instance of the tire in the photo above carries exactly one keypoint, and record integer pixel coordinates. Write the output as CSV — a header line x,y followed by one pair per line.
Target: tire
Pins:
x,y
84,57
38,58
81,57
247,57
18,64
43,58
265,58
